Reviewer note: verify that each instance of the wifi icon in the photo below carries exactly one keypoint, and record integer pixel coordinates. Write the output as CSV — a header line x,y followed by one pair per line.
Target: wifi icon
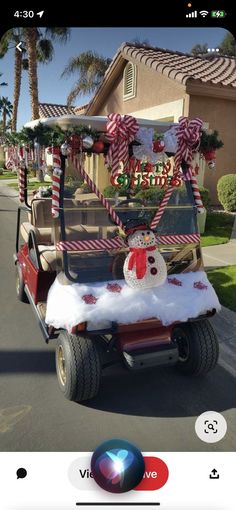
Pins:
x,y
204,13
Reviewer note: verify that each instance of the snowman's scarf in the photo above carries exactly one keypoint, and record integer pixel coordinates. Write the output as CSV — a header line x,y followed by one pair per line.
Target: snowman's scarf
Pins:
x,y
139,259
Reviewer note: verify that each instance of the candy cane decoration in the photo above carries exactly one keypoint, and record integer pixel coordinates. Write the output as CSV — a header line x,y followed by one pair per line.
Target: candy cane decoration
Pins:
x,y
10,158
22,182
117,243
197,196
95,190
190,176
56,184
188,136
120,132
94,245
161,208
178,239
56,159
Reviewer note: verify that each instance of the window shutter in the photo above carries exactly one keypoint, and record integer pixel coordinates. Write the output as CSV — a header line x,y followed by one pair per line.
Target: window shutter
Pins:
x,y
129,81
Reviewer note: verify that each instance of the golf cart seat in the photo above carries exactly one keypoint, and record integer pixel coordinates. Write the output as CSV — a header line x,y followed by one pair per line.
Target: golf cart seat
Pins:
x,y
79,225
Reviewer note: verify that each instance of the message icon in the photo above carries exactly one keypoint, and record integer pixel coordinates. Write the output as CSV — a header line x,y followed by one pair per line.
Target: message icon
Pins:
x,y
21,473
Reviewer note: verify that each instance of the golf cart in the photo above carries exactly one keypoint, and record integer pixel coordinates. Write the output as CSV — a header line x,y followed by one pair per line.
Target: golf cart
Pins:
x,y
71,267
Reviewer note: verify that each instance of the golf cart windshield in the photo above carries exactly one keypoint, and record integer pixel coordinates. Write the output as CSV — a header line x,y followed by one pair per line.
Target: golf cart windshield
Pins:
x,y
86,219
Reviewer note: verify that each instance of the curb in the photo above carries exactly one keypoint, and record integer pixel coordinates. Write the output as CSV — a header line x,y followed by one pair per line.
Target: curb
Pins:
x,y
233,234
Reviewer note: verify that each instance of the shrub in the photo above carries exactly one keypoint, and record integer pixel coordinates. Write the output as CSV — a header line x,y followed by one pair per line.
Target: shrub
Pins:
x,y
226,188
2,163
204,192
110,191
151,196
86,188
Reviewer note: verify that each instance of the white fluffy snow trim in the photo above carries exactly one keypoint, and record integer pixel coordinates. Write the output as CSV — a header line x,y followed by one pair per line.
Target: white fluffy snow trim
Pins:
x,y
169,303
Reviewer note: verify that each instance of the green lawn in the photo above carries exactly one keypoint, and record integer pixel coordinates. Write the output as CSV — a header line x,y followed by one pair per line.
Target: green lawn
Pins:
x,y
218,228
8,175
32,185
223,280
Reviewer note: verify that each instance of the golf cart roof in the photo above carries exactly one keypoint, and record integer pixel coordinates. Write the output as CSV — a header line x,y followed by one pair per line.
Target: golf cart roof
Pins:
x,y
98,123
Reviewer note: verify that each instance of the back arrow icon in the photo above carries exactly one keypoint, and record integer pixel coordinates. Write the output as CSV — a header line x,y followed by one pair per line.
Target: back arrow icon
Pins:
x,y
18,46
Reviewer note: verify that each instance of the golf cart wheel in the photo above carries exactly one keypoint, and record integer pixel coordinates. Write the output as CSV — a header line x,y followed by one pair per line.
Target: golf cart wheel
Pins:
x,y
198,347
20,286
78,367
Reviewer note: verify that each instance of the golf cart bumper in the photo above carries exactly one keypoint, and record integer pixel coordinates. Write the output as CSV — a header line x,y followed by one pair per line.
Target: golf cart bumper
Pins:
x,y
146,344
146,358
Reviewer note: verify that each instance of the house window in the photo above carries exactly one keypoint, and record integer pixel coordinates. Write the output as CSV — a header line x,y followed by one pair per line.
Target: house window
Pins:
x,y
129,81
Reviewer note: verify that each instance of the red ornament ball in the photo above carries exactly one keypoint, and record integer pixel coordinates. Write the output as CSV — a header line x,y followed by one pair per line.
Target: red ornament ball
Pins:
x,y
75,142
98,146
158,146
209,155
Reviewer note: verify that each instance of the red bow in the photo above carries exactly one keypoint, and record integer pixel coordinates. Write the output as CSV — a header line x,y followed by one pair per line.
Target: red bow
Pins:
x,y
188,135
120,132
139,259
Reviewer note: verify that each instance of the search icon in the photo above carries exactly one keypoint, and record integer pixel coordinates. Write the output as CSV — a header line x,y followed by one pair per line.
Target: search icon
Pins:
x,y
210,426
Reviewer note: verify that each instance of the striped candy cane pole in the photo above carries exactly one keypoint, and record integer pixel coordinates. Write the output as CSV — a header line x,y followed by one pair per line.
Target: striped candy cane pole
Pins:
x,y
21,182
56,159
95,190
190,176
56,184
196,194
95,245
161,208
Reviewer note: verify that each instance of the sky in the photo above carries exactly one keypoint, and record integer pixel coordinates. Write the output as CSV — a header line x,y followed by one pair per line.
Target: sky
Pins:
x,y
105,41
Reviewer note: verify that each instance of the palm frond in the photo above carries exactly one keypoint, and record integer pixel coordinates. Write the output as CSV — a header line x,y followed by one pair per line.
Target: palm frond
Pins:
x,y
61,34
85,62
45,51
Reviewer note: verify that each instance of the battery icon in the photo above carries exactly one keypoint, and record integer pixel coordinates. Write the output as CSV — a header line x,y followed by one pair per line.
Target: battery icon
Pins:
x,y
218,14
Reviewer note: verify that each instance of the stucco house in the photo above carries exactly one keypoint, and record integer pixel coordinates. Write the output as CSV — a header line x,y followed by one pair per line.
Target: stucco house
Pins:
x,y
159,84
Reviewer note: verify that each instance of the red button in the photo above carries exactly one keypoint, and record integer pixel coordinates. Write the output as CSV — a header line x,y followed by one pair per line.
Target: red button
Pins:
x,y
155,476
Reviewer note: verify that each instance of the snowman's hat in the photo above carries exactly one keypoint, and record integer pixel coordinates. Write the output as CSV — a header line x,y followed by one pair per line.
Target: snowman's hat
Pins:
x,y
133,225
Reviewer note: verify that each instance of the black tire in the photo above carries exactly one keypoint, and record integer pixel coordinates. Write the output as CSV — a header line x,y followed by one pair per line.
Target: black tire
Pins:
x,y
20,286
78,367
198,347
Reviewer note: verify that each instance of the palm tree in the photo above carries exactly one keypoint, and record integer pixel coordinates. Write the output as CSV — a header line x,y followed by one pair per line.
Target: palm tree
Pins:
x,y
91,68
6,110
3,84
39,48
9,41
228,45
199,49
43,54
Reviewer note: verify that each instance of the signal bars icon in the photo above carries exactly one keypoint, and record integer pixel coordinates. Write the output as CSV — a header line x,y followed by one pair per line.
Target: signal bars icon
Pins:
x,y
192,14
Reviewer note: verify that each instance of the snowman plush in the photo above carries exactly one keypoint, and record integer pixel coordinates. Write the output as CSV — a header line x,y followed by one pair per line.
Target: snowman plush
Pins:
x,y
144,266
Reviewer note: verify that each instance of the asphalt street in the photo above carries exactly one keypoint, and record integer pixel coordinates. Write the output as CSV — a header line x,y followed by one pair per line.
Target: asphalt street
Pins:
x,y
155,409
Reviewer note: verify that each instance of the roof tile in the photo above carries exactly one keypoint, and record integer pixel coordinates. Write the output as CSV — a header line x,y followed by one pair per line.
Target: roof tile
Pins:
x,y
54,110
220,70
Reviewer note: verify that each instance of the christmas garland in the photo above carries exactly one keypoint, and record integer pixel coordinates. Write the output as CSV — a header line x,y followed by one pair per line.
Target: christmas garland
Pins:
x,y
209,141
47,136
